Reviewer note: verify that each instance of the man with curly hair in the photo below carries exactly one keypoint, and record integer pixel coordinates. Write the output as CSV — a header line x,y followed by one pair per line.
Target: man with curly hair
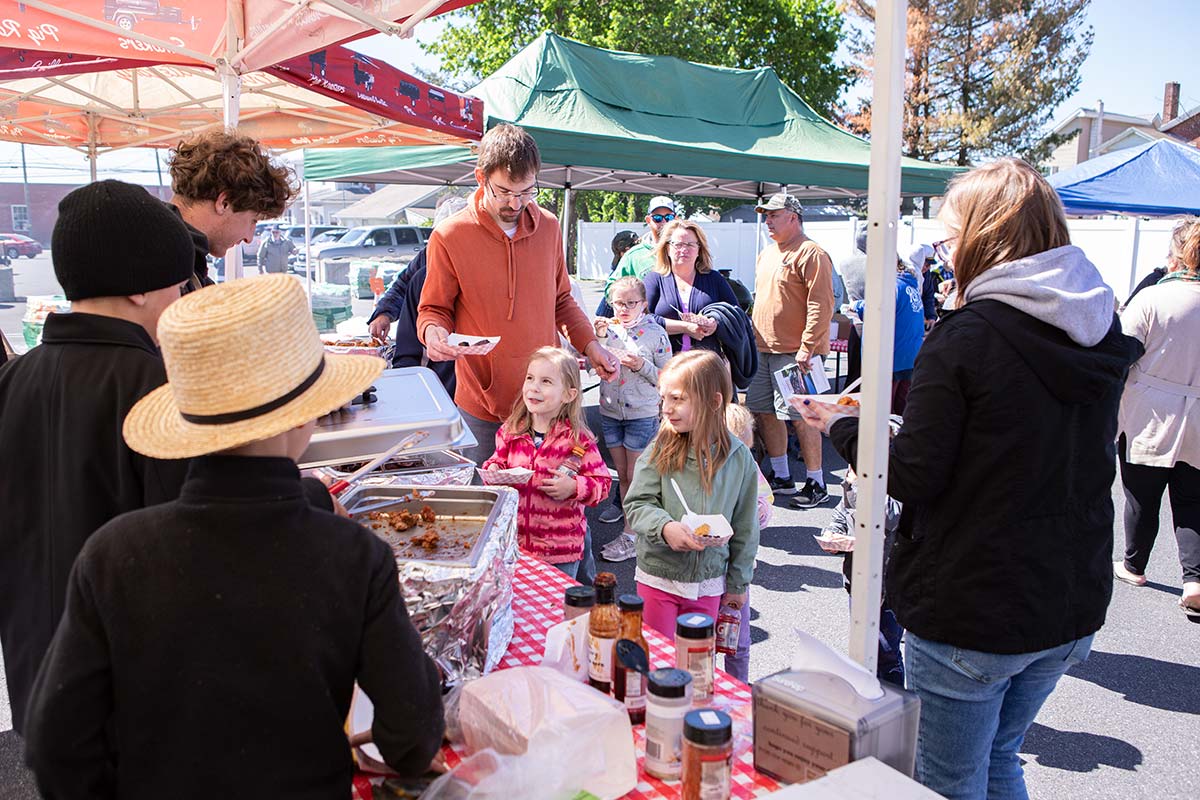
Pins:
x,y
224,183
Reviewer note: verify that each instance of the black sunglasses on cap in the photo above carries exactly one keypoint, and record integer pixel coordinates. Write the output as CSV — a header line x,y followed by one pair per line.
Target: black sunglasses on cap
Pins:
x,y
662,217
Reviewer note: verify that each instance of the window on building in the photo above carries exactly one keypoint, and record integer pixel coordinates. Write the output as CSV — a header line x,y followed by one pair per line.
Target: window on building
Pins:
x,y
20,218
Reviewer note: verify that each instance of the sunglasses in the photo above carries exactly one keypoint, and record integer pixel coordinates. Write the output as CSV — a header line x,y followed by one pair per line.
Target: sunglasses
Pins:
x,y
662,217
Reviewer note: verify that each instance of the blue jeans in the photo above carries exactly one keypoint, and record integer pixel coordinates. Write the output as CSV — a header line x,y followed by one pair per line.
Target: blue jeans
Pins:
x,y
975,709
571,568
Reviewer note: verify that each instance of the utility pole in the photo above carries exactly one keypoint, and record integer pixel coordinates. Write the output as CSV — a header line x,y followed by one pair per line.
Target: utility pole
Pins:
x,y
25,180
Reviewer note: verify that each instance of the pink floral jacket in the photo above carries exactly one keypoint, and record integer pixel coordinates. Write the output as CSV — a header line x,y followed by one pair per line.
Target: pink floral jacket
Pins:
x,y
548,529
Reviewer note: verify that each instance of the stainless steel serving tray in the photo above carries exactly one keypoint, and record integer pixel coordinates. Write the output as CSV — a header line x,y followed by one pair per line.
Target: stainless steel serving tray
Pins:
x,y
466,516
406,464
409,399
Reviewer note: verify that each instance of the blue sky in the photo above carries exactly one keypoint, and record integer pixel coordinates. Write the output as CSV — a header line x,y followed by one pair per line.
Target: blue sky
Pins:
x,y
1138,47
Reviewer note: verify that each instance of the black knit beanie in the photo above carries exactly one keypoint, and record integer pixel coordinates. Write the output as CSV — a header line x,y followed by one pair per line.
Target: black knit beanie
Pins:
x,y
114,239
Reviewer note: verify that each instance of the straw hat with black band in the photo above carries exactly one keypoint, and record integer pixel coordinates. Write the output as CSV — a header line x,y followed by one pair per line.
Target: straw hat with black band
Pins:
x,y
244,363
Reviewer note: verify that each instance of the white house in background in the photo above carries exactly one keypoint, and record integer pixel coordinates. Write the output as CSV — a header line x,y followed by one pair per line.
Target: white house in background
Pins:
x,y
327,199
395,204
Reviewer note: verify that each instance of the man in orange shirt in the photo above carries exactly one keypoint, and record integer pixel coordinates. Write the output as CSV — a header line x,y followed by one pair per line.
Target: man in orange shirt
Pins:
x,y
793,306
496,269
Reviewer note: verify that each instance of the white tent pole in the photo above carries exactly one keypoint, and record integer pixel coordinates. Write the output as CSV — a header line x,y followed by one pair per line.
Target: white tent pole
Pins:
x,y
883,208
758,226
568,196
231,95
91,123
307,238
1133,265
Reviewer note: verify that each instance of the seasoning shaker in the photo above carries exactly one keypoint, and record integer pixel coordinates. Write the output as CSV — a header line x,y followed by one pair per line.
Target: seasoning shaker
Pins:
x,y
707,755
668,700
695,651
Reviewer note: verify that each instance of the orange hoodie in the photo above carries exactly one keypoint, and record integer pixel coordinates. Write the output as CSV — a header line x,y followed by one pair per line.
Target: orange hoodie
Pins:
x,y
481,283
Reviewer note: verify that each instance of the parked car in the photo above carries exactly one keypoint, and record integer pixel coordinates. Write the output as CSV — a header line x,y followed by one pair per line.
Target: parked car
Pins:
x,y
384,242
297,259
296,232
17,244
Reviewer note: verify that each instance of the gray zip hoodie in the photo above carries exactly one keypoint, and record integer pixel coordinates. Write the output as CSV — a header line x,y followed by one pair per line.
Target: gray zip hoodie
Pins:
x,y
1059,287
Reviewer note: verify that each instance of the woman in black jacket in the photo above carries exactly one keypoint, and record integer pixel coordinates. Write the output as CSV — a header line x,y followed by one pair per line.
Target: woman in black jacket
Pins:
x,y
1000,570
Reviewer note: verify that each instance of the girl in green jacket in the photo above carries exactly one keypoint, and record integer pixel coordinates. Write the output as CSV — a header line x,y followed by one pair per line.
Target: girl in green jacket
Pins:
x,y
678,571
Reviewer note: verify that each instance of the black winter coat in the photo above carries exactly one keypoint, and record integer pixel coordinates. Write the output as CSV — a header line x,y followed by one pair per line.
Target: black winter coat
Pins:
x,y
211,644
1005,465
66,470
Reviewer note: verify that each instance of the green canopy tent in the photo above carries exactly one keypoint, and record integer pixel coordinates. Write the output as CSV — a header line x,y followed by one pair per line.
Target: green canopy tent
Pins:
x,y
605,119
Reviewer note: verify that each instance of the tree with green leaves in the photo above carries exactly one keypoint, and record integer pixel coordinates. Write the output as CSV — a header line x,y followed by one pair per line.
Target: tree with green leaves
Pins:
x,y
797,37
984,77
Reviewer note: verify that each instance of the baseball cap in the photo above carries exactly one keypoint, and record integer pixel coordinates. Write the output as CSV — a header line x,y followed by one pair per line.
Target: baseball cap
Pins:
x,y
781,200
662,201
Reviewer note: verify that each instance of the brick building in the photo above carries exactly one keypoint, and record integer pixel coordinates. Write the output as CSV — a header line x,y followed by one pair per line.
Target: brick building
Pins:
x,y
42,210
1185,126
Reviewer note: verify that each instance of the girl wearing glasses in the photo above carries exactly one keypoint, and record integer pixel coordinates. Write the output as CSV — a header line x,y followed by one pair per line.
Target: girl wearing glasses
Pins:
x,y
682,283
629,405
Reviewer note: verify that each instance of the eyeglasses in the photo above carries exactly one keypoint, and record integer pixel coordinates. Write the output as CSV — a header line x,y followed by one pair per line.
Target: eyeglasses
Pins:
x,y
685,245
944,248
662,217
623,304
506,196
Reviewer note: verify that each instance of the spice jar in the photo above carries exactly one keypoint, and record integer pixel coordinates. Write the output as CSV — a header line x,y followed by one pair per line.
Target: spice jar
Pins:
x,y
604,623
577,601
695,645
668,700
707,755
629,686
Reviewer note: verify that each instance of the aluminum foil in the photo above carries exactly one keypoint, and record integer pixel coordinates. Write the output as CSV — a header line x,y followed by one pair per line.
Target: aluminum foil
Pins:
x,y
464,613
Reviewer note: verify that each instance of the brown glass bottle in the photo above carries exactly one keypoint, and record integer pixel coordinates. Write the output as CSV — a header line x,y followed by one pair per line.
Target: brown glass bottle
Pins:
x,y
604,623
629,686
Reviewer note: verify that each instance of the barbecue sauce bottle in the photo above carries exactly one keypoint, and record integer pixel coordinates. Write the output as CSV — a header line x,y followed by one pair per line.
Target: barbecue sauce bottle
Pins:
x,y
629,686
604,623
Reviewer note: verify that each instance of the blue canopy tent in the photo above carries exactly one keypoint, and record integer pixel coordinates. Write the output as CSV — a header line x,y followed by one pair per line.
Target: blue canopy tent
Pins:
x,y
1160,178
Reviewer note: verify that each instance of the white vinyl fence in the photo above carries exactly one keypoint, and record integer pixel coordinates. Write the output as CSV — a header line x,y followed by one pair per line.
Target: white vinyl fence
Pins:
x,y
1124,250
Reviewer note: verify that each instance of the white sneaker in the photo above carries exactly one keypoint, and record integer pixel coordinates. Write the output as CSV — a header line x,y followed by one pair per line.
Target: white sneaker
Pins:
x,y
621,548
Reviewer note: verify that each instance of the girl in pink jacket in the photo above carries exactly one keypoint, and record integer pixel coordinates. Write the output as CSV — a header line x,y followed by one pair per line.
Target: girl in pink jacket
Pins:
x,y
546,433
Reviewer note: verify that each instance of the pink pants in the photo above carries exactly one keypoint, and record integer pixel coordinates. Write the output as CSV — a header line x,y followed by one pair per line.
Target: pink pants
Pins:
x,y
662,608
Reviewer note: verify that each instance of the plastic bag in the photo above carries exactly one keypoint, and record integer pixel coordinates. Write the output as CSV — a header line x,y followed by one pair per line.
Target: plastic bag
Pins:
x,y
567,648
539,735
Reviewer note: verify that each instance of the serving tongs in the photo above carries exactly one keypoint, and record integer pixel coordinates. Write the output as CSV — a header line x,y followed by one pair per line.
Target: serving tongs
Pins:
x,y
419,494
342,485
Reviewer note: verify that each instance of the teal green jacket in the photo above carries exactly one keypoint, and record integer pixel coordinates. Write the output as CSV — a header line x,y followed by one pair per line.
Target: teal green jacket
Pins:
x,y
651,503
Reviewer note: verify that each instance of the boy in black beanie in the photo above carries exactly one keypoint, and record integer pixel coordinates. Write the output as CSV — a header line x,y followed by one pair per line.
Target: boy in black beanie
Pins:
x,y
121,256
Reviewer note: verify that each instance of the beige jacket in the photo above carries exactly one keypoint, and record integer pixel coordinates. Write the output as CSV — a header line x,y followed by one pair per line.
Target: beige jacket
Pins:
x,y
1160,410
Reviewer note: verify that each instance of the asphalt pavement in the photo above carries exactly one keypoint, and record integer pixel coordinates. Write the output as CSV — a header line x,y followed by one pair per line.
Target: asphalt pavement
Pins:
x,y
1124,724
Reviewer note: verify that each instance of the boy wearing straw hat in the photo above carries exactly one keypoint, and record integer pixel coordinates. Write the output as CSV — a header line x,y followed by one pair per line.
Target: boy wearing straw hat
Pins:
x,y
219,636
120,256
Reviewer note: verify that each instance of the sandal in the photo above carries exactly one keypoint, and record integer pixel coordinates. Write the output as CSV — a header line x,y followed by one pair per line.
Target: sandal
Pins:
x,y
1192,612
1124,575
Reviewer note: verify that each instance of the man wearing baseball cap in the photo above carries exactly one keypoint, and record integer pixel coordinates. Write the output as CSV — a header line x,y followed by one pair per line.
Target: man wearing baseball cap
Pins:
x,y
639,259
793,306
121,256
211,644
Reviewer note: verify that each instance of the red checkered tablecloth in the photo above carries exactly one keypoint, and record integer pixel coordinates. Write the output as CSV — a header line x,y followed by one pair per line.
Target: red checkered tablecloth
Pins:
x,y
537,604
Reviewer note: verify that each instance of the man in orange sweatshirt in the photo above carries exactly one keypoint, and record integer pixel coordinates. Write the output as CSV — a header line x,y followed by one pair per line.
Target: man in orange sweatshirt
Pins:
x,y
496,269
